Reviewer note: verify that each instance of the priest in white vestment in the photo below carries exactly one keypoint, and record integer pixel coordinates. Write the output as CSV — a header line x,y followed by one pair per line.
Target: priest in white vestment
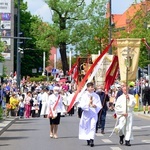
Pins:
x,y
124,108
91,105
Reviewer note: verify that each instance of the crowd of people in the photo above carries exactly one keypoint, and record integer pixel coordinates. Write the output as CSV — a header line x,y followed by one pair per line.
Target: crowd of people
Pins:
x,y
31,97
52,99
37,99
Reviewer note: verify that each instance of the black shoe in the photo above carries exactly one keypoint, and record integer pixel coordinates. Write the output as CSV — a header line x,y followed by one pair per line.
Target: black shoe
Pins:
x,y
127,143
102,132
88,142
91,143
121,139
144,112
148,112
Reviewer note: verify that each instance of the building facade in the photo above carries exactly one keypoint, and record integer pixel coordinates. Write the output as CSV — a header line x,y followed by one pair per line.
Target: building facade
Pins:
x,y
7,33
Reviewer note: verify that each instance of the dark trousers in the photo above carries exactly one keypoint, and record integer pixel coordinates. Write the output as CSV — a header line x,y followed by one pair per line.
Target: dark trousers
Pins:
x,y
80,112
21,111
71,112
40,107
101,120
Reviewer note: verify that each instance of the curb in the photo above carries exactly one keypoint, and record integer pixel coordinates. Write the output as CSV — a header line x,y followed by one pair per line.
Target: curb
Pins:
x,y
6,123
144,116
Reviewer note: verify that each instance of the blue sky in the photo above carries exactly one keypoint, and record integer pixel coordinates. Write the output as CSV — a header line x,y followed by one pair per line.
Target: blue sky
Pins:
x,y
119,6
38,7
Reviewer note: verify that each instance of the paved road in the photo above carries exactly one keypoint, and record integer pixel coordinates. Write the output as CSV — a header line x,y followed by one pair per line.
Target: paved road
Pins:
x,y
33,134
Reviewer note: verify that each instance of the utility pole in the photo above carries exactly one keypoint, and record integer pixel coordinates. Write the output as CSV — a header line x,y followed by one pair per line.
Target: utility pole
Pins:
x,y
43,62
18,46
110,27
55,64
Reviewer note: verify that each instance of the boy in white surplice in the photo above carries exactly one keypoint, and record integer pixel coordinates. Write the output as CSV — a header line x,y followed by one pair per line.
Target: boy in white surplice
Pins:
x,y
91,105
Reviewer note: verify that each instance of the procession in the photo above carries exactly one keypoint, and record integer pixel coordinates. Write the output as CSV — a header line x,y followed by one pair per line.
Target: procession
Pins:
x,y
52,99
76,81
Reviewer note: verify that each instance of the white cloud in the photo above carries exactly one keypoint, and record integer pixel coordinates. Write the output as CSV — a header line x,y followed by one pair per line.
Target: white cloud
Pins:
x,y
45,13
40,8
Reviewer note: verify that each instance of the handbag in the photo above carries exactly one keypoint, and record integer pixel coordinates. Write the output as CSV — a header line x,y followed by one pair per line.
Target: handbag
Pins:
x,y
53,112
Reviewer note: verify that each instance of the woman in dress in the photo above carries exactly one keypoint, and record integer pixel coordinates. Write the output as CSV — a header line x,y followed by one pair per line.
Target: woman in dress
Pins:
x,y
55,105
28,104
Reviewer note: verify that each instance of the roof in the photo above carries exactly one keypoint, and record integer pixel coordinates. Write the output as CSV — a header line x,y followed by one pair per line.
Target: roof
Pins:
x,y
116,17
122,20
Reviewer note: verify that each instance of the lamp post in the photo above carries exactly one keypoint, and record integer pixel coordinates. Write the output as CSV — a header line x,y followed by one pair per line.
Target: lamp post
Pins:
x,y
43,63
18,45
55,64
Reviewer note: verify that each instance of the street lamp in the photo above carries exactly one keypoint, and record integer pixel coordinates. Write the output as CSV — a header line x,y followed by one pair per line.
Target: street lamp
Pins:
x,y
43,63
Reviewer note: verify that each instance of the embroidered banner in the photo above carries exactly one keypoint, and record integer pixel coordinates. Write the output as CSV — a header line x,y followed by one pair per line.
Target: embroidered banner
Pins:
x,y
99,77
128,53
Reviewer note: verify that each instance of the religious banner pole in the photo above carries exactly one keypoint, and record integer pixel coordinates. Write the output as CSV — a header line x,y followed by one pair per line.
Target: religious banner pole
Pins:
x,y
128,65
128,50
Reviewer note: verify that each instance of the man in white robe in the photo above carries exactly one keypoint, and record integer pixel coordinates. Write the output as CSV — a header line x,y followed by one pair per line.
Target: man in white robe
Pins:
x,y
91,105
124,110
44,103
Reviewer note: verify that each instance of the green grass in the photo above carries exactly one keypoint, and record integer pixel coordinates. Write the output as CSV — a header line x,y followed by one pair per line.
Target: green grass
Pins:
x,y
138,109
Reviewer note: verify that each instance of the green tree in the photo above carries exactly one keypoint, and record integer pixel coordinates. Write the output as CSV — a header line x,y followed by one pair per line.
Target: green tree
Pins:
x,y
33,51
33,54
1,50
73,23
2,47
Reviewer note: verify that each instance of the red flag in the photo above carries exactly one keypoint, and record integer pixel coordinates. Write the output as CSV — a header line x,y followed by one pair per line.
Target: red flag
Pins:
x,y
87,74
71,70
111,73
75,74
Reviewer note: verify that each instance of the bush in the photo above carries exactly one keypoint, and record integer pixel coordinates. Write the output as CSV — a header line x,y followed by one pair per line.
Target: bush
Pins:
x,y
41,78
51,78
1,113
38,79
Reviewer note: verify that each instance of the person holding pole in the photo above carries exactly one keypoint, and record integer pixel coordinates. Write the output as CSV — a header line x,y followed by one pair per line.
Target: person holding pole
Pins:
x,y
124,111
103,112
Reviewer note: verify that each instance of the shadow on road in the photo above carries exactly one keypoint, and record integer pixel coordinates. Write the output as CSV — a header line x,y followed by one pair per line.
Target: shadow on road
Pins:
x,y
68,137
4,145
12,130
12,138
